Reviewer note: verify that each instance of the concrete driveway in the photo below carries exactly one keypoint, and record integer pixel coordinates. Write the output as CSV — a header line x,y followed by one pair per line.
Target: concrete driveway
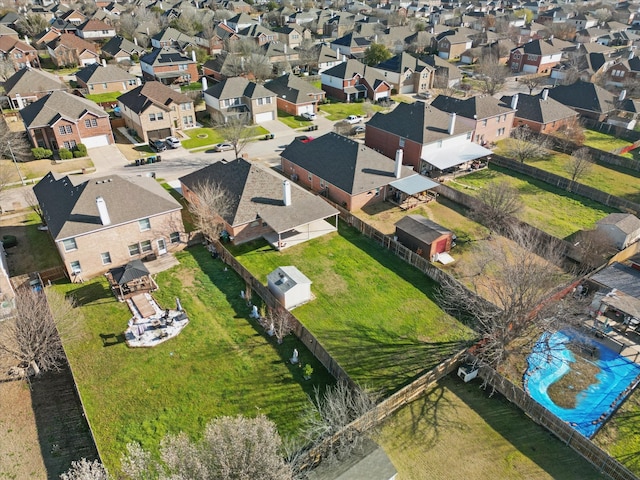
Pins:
x,y
107,158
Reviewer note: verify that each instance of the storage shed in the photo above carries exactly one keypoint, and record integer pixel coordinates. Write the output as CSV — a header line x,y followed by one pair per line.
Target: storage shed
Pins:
x,y
290,286
423,236
622,229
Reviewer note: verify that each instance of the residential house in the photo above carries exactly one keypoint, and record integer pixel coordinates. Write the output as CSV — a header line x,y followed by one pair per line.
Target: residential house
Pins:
x,y
451,47
103,222
343,170
103,79
540,113
491,119
121,49
351,80
295,95
433,141
259,34
170,37
586,98
61,120
323,58
293,35
537,56
351,45
156,111
222,40
73,16
8,32
280,55
95,30
423,236
581,21
169,66
20,54
236,97
28,85
622,229
263,204
69,49
624,72
241,21
406,73
446,74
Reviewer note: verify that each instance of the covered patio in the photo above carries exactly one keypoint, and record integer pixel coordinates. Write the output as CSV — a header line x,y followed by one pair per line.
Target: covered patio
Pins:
x,y
453,159
410,192
130,279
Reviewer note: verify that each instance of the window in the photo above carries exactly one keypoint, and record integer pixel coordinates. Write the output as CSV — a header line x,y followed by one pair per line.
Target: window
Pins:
x,y
131,82
65,129
18,55
152,117
185,106
174,237
90,123
69,244
104,85
484,123
145,224
531,57
145,246
468,135
187,119
75,267
134,249
500,132
183,67
70,145
159,116
106,258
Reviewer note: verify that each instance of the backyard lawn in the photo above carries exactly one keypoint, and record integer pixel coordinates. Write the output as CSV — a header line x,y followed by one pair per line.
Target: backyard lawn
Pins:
x,y
104,97
374,313
221,364
459,431
606,142
553,210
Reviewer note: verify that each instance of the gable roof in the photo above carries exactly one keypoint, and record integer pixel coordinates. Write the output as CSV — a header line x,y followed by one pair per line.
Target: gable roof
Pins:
x,y
402,62
165,56
478,107
56,105
8,43
31,80
94,26
585,96
151,93
255,192
418,122
287,277
294,89
96,73
422,228
536,109
71,40
234,87
626,222
70,209
350,166
118,43
351,68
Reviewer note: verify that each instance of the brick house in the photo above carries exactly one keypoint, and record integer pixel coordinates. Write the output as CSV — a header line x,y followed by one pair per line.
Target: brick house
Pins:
x,y
351,80
108,221
451,47
102,79
61,120
69,49
406,73
263,204
295,95
540,113
492,119
624,71
156,111
586,98
537,56
21,54
169,66
29,84
238,96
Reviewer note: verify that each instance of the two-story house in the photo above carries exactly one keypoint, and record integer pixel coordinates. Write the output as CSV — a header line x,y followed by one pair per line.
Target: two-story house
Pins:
x,y
20,54
237,97
103,79
156,111
293,35
169,66
586,98
61,120
352,80
69,49
406,73
121,49
624,71
95,30
104,222
351,44
295,95
170,37
537,56
451,47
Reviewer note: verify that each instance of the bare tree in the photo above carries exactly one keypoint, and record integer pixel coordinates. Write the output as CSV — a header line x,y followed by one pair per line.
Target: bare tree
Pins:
x,y
32,338
237,132
31,24
232,448
532,83
85,470
579,165
7,69
209,208
570,134
563,31
526,145
6,175
31,200
279,322
595,247
497,206
517,286
492,75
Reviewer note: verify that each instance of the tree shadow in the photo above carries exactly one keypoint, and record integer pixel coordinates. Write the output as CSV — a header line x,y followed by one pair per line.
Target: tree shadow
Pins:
x,y
110,339
89,292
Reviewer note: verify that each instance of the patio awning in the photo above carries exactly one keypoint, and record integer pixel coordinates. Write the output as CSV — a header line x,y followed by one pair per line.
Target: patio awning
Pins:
x,y
447,157
131,271
413,184
174,74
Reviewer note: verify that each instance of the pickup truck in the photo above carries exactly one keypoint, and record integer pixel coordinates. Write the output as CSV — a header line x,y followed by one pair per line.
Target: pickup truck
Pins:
x,y
353,119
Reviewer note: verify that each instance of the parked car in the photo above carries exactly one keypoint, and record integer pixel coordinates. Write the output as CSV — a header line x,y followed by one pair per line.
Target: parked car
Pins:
x,y
222,147
358,129
309,116
353,119
172,142
304,138
424,95
157,145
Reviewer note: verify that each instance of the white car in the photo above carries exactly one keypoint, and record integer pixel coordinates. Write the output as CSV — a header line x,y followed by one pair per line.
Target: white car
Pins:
x,y
222,147
309,116
172,142
353,119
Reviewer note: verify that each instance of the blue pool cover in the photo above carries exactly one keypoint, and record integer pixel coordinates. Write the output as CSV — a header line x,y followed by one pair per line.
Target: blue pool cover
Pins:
x,y
550,360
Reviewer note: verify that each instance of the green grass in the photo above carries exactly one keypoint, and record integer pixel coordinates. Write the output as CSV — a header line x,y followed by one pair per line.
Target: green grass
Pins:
x,y
339,111
293,121
605,142
551,209
195,86
221,364
104,97
35,250
375,314
458,430
201,137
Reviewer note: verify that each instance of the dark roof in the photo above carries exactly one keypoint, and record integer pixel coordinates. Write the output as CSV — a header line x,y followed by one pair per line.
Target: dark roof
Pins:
x,y
350,166
118,43
403,62
421,228
165,56
131,271
351,67
418,122
585,96
52,107
70,210
238,87
293,88
255,192
621,277
534,108
478,107
351,40
31,80
96,73
151,93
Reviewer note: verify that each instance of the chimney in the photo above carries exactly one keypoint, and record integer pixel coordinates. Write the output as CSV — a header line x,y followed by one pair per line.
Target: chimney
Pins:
x,y
104,62
135,40
623,95
193,55
102,210
630,54
204,84
514,102
545,94
26,40
452,123
398,170
286,193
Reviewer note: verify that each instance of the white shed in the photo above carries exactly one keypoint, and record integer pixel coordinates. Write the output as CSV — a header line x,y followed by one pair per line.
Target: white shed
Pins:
x,y
622,229
290,286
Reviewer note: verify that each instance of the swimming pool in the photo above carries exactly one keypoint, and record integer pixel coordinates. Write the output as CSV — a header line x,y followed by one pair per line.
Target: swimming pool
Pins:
x,y
550,360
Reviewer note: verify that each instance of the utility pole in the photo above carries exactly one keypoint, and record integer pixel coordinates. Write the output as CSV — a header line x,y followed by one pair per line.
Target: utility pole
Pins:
x,y
16,164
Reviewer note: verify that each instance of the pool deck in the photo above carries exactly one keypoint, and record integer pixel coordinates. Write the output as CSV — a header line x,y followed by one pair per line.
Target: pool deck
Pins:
x,y
616,336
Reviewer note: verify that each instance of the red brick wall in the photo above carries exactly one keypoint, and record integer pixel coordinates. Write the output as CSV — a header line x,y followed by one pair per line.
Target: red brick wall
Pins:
x,y
192,70
387,143
542,128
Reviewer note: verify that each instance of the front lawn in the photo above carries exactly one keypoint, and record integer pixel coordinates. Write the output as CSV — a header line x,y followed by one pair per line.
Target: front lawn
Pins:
x,y
201,137
36,169
606,142
551,209
374,313
339,111
111,97
221,364
293,121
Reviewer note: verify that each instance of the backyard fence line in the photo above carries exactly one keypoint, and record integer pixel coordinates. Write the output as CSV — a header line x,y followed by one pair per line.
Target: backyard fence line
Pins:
x,y
600,459
620,132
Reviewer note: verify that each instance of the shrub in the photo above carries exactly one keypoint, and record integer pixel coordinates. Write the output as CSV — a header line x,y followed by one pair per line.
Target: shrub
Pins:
x,y
65,154
39,153
80,151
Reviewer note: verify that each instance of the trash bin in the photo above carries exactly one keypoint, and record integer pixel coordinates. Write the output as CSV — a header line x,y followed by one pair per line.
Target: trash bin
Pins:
x,y
151,159
158,159
137,162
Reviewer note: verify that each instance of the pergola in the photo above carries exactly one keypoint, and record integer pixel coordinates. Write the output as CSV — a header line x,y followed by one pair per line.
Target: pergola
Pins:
x,y
409,192
130,279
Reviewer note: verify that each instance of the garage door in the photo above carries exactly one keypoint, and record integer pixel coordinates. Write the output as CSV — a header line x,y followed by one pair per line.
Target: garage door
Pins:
x,y
97,141
264,117
305,109
162,133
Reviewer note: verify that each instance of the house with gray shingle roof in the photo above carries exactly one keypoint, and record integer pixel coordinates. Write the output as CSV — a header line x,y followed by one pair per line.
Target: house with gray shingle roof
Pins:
x,y
541,113
28,85
101,223
169,66
351,80
406,73
237,97
102,79
586,98
351,44
263,204
121,49
295,95
69,49
538,56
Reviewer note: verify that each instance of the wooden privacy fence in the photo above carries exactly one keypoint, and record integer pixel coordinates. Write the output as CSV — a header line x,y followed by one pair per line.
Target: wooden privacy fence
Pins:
x,y
567,434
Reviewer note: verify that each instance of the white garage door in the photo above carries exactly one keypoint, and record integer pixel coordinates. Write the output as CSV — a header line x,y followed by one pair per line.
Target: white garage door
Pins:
x,y
97,141
264,117
305,109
